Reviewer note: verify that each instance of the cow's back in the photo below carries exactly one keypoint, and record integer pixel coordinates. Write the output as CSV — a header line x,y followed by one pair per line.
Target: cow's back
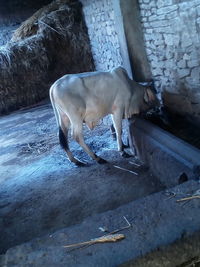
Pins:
x,y
107,84
93,90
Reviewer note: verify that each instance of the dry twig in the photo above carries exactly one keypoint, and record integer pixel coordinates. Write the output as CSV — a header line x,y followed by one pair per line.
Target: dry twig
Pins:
x,y
123,169
194,196
187,198
102,239
123,228
111,237
49,27
134,163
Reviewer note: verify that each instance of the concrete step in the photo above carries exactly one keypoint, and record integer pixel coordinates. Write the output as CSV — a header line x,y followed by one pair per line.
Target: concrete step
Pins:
x,y
157,219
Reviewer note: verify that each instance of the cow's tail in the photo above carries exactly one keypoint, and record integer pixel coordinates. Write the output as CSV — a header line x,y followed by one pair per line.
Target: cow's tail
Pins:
x,y
54,106
63,140
62,137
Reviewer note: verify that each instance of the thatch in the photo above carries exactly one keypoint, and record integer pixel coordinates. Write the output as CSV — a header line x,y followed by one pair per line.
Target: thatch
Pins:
x,y
51,43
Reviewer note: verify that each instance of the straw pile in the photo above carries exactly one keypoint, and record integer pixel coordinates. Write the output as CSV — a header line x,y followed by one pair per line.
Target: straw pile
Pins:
x,y
51,43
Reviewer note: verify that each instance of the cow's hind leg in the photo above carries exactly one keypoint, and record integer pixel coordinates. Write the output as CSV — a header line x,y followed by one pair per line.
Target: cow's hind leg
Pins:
x,y
77,128
63,138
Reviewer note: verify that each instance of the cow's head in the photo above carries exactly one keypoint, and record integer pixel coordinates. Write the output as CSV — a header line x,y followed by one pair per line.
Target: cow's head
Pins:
x,y
150,99
143,99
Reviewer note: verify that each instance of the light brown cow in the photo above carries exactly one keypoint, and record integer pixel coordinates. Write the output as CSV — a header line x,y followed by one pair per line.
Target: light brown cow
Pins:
x,y
88,97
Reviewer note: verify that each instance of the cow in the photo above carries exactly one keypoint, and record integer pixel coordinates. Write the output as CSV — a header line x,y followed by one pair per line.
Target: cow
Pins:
x,y
88,97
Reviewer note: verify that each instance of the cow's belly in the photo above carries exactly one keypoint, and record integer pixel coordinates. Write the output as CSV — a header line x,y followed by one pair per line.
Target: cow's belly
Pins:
x,y
94,115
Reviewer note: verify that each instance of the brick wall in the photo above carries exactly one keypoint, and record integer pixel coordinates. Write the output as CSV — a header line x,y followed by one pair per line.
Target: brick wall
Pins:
x,y
99,17
172,37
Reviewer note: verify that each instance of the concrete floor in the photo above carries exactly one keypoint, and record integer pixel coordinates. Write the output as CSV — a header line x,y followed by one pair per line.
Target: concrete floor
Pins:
x,y
41,191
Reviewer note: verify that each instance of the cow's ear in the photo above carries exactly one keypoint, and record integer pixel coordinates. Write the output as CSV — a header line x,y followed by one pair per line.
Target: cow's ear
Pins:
x,y
148,95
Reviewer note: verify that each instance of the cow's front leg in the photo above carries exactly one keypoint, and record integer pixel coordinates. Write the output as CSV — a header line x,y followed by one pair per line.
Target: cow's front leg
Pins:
x,y
114,136
117,121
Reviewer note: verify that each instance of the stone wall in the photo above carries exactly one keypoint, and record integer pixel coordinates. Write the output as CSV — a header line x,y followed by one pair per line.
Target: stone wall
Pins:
x,y
172,37
99,17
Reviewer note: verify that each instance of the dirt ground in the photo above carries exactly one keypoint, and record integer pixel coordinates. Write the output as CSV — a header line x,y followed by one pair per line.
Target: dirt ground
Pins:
x,y
41,191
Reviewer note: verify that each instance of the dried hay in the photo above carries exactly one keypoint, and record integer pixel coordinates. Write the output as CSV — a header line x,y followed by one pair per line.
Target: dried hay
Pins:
x,y
51,43
30,26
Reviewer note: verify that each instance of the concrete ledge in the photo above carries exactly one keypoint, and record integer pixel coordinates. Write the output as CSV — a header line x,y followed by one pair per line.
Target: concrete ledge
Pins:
x,y
170,159
184,252
156,220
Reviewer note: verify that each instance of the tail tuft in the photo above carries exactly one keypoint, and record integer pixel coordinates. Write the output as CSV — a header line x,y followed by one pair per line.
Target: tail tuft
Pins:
x,y
63,139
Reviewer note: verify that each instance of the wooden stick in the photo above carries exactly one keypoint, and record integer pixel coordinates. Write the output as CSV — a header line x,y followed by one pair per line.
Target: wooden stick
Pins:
x,y
123,169
187,198
133,163
102,239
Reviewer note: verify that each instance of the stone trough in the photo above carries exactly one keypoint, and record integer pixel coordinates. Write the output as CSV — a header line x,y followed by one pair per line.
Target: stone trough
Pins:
x,y
156,219
170,159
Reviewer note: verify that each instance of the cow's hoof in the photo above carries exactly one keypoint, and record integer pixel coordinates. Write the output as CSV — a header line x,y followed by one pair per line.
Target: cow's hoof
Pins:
x,y
101,161
125,155
80,164
125,146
